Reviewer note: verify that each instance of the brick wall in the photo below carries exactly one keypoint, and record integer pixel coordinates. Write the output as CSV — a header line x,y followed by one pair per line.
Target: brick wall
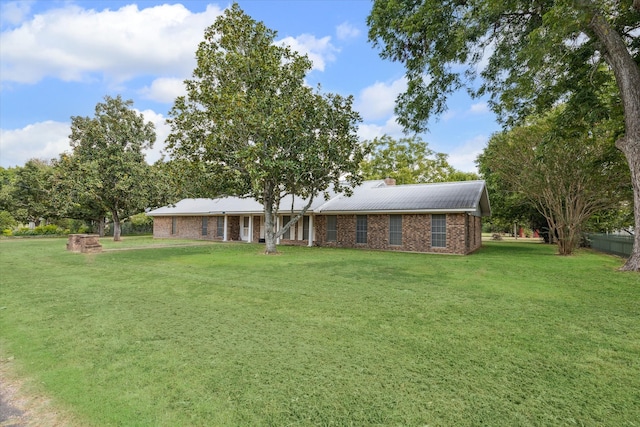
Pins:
x,y
416,233
190,227
464,232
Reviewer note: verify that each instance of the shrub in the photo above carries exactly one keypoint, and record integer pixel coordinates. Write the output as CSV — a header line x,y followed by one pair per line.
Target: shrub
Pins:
x,y
7,221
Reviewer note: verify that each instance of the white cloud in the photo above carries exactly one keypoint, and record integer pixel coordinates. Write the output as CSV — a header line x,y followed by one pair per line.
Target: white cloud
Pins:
x,y
164,89
369,131
162,131
378,100
43,140
479,108
74,44
14,12
346,31
319,51
464,156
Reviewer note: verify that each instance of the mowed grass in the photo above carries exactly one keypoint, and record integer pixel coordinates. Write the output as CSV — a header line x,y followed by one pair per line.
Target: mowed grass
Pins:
x,y
222,335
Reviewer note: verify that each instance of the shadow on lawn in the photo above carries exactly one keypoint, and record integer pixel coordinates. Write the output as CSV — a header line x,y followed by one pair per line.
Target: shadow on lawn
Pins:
x,y
493,248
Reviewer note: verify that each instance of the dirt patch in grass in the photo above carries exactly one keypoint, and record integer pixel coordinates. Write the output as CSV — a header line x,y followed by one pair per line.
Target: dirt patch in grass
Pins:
x,y
20,407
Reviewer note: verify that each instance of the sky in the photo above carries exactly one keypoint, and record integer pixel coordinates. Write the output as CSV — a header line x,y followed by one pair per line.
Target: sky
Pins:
x,y
59,58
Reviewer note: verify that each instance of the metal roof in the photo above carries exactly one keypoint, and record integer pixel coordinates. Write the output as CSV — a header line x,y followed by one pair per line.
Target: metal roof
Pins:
x,y
370,197
375,196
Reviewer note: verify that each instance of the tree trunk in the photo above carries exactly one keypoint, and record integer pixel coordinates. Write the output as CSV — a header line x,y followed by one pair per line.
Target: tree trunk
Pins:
x,y
269,220
100,223
269,232
627,75
116,226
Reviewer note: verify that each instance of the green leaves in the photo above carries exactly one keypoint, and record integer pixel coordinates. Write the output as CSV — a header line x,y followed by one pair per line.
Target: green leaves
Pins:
x,y
408,161
250,126
107,171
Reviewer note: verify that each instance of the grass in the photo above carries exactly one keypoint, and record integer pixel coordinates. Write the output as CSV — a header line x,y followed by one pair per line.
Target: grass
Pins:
x,y
219,334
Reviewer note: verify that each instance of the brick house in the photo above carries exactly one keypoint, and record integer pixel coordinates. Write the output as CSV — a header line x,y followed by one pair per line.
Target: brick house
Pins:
x,y
435,218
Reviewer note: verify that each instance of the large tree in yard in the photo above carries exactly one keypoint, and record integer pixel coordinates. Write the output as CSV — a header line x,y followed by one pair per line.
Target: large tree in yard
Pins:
x,y
537,53
567,172
249,126
107,172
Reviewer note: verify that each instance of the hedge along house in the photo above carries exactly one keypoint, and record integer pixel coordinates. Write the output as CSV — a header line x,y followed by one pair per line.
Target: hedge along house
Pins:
x,y
435,218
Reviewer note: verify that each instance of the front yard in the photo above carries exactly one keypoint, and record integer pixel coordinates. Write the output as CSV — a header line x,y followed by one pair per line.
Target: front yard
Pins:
x,y
220,334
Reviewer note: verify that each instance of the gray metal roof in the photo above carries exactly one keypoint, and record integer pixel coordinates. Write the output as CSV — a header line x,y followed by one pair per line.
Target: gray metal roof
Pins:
x,y
374,196
370,197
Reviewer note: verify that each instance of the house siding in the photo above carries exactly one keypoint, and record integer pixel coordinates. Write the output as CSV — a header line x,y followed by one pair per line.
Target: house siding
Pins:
x,y
416,233
464,232
190,227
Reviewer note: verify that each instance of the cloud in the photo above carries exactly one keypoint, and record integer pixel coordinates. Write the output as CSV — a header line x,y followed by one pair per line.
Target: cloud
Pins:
x,y
14,12
369,131
479,108
320,51
378,100
346,31
43,140
463,157
162,131
164,89
75,44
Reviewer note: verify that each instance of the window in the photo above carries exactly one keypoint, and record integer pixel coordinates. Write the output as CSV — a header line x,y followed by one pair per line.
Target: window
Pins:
x,y
174,225
305,228
438,231
220,227
332,228
245,227
205,223
395,230
361,229
285,220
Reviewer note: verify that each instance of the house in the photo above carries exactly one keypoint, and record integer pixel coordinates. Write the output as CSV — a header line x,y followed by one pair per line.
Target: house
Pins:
x,y
434,218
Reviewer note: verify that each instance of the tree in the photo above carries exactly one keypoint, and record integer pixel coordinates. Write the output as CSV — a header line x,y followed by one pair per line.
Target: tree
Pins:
x,y
537,53
249,126
106,171
408,161
30,194
567,173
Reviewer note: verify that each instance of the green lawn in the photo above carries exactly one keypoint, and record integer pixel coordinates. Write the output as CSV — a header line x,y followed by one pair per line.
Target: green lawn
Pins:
x,y
219,334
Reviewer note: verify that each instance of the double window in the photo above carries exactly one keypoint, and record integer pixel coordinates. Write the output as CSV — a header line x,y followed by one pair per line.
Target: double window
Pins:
x,y
174,225
439,231
332,228
361,229
395,230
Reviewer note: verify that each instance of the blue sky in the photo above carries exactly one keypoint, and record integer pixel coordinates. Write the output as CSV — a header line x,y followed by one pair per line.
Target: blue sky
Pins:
x,y
60,58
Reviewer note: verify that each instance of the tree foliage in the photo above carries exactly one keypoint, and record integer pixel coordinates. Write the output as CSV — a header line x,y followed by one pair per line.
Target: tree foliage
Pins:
x,y
567,173
250,126
530,55
107,172
408,161
30,193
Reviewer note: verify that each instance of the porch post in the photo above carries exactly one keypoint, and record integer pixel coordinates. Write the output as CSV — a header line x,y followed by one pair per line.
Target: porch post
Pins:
x,y
250,236
310,230
226,224
277,229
